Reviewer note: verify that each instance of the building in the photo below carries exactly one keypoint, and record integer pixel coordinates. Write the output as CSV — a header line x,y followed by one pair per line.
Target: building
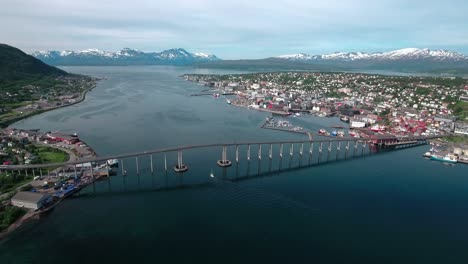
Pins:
x,y
68,139
30,200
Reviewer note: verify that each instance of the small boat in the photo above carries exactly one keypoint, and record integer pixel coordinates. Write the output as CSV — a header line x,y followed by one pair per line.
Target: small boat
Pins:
x,y
354,134
340,133
113,162
344,119
334,133
298,114
211,174
228,101
322,131
446,158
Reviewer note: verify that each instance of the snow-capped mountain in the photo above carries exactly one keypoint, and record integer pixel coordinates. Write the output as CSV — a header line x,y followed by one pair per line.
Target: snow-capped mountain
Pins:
x,y
125,56
401,54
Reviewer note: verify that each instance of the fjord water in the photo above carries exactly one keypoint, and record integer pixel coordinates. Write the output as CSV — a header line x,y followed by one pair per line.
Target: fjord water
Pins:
x,y
395,207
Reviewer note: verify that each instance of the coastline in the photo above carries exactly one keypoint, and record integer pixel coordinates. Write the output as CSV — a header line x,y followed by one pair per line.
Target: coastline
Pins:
x,y
82,97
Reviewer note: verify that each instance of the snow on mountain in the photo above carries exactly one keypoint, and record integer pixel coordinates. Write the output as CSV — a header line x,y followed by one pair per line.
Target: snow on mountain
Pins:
x,y
401,54
93,56
299,56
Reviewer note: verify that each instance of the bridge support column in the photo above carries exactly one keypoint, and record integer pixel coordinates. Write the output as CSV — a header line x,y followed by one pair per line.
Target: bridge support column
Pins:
x,y
260,152
311,149
124,172
137,166
281,151
356,144
40,172
27,172
248,152
320,152
151,163
270,152
347,149
301,150
338,150
180,167
224,162
329,150
291,150
237,153
362,148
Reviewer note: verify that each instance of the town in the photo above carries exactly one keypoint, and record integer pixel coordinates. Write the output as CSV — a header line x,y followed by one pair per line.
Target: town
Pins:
x,y
20,101
27,193
370,103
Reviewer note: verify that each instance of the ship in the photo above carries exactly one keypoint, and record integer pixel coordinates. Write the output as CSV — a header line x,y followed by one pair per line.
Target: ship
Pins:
x,y
446,158
354,134
113,162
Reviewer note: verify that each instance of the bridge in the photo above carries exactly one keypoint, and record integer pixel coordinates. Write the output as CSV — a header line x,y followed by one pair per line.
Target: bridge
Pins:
x,y
266,157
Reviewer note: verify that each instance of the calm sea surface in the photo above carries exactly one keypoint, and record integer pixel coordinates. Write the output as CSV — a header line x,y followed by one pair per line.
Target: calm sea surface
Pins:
x,y
394,207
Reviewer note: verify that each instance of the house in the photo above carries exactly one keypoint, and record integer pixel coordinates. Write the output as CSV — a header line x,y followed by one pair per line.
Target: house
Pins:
x,y
31,200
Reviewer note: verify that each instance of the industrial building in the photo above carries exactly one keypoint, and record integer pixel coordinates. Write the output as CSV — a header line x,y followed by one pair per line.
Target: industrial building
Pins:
x,y
31,200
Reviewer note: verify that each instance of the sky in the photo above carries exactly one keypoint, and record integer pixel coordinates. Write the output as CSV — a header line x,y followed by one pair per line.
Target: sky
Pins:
x,y
240,29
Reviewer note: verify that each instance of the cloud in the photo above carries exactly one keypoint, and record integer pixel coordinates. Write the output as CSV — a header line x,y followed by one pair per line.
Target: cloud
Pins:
x,y
235,29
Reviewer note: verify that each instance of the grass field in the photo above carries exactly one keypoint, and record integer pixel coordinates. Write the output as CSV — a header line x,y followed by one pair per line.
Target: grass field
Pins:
x,y
50,155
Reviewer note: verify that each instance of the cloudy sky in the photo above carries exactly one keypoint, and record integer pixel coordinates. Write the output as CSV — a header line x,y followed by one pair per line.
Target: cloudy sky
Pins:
x,y
235,29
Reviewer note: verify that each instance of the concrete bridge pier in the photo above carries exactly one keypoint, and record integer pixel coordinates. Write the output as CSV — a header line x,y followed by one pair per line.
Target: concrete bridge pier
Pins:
x,y
356,144
260,152
329,150
301,152
338,150
320,152
237,154
270,152
137,166
347,149
224,162
311,149
151,164
281,151
291,154
123,170
248,152
180,167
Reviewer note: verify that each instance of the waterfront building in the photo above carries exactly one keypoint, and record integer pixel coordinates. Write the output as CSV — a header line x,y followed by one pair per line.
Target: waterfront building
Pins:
x,y
30,200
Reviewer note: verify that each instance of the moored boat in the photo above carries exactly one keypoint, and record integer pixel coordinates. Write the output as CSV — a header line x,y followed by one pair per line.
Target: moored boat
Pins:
x,y
446,158
113,162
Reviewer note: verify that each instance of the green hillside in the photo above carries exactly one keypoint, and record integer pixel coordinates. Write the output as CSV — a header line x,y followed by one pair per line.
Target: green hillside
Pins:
x,y
16,65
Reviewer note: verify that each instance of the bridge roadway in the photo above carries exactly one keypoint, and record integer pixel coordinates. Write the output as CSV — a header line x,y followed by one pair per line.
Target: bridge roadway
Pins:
x,y
370,140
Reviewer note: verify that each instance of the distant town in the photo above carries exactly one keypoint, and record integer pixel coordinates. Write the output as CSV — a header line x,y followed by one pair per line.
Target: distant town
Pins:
x,y
19,101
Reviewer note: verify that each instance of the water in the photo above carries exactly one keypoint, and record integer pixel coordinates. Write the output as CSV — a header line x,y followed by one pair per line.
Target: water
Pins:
x,y
393,207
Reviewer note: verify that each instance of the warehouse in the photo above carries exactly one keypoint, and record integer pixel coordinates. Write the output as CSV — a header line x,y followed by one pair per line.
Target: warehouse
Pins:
x,y
30,200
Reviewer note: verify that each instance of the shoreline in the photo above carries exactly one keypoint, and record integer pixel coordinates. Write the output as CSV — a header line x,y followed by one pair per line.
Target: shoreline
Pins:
x,y
82,97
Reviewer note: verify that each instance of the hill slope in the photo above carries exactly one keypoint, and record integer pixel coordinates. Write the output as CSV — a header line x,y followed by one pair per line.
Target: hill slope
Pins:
x,y
16,65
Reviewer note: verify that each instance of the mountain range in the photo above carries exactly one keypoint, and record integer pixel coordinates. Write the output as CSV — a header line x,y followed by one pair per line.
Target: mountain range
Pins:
x,y
405,60
125,56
